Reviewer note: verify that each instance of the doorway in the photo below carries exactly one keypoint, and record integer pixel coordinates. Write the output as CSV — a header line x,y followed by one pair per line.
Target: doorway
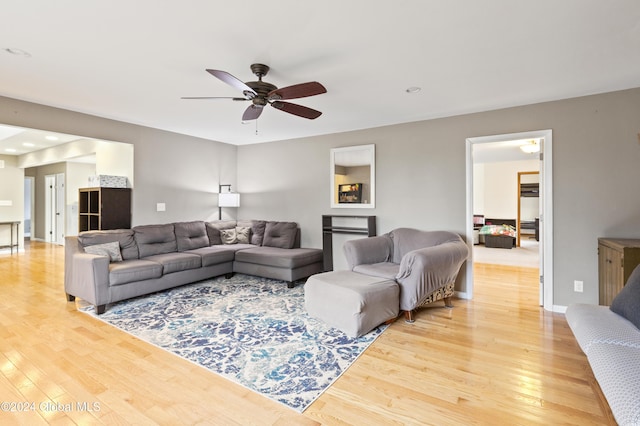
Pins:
x,y
545,226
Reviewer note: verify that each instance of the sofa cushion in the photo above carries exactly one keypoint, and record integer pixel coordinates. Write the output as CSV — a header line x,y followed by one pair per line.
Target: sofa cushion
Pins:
x,y
176,262
278,257
386,270
133,270
191,235
257,230
618,374
213,230
627,302
111,250
280,234
214,255
128,246
155,239
598,324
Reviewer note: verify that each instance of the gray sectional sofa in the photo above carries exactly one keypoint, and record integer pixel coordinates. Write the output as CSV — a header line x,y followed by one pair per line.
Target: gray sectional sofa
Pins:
x,y
103,267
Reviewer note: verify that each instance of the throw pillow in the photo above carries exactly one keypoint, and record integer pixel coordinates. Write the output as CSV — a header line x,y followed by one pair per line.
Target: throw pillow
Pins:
x,y
627,302
243,234
228,236
280,234
111,250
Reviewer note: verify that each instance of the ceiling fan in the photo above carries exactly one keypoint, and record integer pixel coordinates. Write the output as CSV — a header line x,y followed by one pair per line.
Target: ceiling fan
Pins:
x,y
261,94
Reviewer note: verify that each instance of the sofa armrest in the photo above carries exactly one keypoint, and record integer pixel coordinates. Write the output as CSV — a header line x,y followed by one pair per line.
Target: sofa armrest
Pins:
x,y
88,278
365,251
425,270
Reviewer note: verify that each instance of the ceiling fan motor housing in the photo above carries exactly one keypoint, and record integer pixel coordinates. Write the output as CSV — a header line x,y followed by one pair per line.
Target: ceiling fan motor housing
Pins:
x,y
262,88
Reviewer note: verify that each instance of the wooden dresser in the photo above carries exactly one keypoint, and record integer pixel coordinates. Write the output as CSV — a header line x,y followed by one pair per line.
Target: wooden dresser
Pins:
x,y
617,258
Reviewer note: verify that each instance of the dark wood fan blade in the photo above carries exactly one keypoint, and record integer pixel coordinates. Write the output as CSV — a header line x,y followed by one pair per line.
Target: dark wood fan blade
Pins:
x,y
301,90
214,97
232,81
252,113
295,109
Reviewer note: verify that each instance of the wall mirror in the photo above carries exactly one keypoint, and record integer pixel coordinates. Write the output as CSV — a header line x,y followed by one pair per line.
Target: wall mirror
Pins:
x,y
353,177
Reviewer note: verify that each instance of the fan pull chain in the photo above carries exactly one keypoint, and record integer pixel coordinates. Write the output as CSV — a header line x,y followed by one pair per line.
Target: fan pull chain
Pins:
x,y
256,127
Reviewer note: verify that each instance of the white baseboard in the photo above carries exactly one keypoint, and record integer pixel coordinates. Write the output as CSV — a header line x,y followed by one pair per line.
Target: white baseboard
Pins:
x,y
8,250
462,295
560,309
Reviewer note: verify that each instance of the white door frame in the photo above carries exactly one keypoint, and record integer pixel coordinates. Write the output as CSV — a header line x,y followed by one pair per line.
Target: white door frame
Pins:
x,y
546,220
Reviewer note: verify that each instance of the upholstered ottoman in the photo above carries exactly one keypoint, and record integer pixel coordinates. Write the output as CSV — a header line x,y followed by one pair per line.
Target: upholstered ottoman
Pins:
x,y
351,302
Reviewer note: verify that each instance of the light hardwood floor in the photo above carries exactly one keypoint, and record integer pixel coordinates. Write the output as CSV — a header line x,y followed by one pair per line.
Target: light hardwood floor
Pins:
x,y
499,359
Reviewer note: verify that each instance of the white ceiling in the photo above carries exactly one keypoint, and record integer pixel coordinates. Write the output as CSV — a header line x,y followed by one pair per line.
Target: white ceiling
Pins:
x,y
133,60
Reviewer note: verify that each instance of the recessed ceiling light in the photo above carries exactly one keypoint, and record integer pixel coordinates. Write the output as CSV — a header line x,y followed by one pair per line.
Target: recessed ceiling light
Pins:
x,y
51,138
413,89
17,52
10,150
29,144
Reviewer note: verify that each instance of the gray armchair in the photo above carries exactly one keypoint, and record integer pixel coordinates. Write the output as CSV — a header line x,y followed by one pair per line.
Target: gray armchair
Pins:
x,y
425,264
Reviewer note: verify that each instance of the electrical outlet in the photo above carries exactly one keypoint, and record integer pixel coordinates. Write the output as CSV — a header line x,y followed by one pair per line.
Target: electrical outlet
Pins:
x,y
577,286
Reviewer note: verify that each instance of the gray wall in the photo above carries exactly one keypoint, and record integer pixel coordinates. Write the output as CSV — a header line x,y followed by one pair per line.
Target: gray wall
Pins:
x,y
420,177
181,171
420,171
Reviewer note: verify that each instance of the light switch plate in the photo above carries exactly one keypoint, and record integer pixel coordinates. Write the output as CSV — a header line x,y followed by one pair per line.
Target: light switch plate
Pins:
x,y
160,207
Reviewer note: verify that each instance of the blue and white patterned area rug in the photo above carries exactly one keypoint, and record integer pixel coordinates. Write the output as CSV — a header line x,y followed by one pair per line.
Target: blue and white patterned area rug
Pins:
x,y
253,331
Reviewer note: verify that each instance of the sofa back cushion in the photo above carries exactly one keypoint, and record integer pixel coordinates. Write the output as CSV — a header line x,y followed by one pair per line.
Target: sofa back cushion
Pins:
x,y
128,246
256,235
191,235
407,239
213,230
280,234
155,239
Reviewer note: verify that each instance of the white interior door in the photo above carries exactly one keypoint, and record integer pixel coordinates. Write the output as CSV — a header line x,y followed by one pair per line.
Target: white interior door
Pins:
x,y
60,203
50,208
54,208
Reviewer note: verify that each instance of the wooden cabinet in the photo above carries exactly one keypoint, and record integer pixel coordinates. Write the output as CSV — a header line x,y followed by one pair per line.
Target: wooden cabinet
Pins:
x,y
104,208
617,258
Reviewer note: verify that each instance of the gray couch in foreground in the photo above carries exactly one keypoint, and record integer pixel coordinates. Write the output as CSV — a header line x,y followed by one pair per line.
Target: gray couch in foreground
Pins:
x,y
103,267
425,264
610,338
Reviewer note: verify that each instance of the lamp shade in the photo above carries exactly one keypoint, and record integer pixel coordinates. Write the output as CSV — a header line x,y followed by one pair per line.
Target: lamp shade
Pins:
x,y
229,199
